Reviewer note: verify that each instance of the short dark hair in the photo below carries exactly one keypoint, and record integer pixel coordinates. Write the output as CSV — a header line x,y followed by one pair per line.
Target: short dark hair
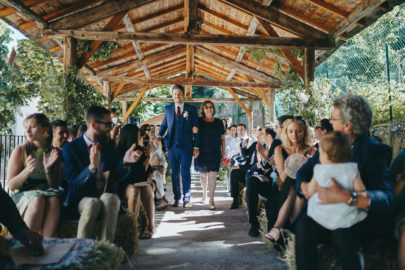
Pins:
x,y
58,123
326,125
96,113
271,132
337,146
113,110
178,86
282,119
242,125
82,129
233,126
72,130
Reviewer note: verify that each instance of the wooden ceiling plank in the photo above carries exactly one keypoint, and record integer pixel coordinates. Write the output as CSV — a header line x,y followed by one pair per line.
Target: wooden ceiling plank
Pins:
x,y
102,11
195,39
26,12
286,52
158,14
361,11
4,12
275,17
183,82
76,7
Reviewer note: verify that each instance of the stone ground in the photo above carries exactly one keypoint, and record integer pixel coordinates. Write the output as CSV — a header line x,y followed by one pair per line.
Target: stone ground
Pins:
x,y
198,238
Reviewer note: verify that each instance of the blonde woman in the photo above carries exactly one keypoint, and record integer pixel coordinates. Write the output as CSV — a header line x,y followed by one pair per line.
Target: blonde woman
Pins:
x,y
295,139
212,150
34,176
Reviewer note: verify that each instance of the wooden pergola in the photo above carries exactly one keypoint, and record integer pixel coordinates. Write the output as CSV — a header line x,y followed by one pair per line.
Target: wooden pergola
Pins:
x,y
192,42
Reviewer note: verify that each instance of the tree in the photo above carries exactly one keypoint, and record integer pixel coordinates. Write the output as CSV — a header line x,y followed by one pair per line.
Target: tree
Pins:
x,y
13,94
62,95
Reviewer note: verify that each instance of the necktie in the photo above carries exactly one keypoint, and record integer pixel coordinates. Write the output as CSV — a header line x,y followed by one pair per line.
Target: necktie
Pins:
x,y
99,146
178,111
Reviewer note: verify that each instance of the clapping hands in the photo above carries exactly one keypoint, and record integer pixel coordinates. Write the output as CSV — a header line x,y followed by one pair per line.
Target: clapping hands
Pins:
x,y
132,156
32,163
48,162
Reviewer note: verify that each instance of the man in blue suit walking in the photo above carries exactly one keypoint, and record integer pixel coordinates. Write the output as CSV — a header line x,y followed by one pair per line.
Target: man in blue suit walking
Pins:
x,y
181,123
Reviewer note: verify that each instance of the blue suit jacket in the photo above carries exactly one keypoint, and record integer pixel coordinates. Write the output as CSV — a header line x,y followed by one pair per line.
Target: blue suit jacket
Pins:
x,y
373,160
81,182
187,138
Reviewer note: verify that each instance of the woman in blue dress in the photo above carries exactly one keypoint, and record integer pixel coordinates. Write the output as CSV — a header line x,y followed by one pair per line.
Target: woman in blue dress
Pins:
x,y
212,150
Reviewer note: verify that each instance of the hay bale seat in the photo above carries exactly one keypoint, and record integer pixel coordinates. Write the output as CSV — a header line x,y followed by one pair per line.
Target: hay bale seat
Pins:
x,y
127,233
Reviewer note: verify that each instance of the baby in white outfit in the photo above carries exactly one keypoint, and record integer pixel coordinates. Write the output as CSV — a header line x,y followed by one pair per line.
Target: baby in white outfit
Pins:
x,y
335,155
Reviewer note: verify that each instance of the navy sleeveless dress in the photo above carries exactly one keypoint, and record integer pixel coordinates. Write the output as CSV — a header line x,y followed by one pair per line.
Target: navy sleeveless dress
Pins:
x,y
210,146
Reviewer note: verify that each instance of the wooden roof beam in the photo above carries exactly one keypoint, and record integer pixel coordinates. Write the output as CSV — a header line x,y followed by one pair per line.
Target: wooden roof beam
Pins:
x,y
102,11
25,11
163,99
183,82
239,101
136,101
130,28
238,66
361,11
250,32
286,52
191,26
95,44
195,39
275,17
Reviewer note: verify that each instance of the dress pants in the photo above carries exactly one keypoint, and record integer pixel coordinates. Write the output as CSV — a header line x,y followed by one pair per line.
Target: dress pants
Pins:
x,y
108,205
180,162
237,176
159,179
346,243
254,187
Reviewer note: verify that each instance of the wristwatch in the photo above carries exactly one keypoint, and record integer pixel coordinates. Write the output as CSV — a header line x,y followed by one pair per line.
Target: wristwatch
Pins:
x,y
352,201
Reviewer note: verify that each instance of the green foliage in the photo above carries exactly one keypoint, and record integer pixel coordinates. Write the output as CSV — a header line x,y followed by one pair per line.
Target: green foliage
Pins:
x,y
13,91
102,53
63,96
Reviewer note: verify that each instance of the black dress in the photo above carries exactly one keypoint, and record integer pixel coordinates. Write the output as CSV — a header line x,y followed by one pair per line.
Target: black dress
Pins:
x,y
210,146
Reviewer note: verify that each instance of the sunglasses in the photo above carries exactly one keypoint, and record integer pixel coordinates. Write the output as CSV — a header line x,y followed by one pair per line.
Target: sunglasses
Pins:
x,y
107,124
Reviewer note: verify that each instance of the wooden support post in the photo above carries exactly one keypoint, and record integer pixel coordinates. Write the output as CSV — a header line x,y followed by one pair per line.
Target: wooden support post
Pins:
x,y
309,66
69,58
124,105
136,101
270,105
107,92
250,123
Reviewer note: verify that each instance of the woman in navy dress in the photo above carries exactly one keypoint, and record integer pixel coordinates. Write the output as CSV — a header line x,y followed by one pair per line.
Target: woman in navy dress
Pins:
x,y
212,150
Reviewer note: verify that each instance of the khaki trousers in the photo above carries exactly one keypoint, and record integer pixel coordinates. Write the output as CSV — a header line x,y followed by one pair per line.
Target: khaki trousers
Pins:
x,y
108,206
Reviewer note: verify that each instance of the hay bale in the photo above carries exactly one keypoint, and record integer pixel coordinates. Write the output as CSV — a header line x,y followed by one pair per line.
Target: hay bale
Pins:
x,y
126,234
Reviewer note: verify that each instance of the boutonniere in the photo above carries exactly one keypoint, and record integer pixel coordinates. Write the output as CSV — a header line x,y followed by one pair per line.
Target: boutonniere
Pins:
x,y
185,115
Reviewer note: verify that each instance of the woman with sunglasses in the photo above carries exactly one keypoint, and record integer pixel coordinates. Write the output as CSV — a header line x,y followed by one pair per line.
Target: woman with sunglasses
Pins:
x,y
212,150
321,129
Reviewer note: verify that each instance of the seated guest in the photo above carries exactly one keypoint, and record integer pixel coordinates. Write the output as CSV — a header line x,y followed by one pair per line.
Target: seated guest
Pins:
x,y
321,129
82,129
232,143
34,177
335,154
295,139
243,162
397,173
72,132
10,217
261,181
140,173
92,171
60,133
353,116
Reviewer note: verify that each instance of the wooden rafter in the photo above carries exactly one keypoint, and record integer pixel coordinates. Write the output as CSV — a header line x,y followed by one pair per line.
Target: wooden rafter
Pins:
x,y
191,26
361,11
275,17
130,28
162,99
309,66
182,82
286,52
196,39
238,66
27,12
250,32
105,10
95,44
